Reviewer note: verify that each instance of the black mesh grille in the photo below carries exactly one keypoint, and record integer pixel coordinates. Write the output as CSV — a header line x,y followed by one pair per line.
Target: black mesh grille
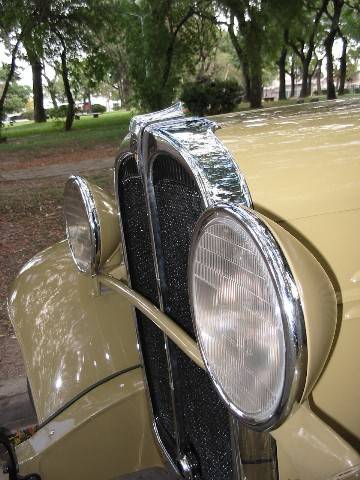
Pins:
x,y
206,427
179,205
205,420
143,280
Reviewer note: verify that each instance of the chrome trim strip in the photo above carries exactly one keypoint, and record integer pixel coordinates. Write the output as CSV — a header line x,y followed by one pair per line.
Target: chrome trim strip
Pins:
x,y
95,230
292,312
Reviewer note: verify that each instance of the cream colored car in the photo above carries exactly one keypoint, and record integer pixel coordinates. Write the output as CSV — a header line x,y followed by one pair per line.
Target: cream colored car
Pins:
x,y
205,322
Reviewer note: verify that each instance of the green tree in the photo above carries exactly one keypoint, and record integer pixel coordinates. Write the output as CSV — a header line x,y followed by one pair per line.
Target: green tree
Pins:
x,y
54,86
248,42
17,19
160,47
304,36
72,29
257,30
17,96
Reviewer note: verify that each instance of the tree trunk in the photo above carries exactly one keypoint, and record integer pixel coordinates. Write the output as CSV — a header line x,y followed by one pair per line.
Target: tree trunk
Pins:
x,y
171,48
8,81
343,67
310,76
53,96
318,78
51,89
38,94
282,74
306,55
71,104
304,78
254,49
247,85
242,59
292,78
329,42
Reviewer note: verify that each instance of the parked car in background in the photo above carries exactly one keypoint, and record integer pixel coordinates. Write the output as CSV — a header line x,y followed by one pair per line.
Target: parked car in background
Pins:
x,y
204,322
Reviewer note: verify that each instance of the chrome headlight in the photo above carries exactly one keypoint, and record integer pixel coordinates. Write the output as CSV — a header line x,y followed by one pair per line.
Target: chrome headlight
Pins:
x,y
82,224
248,315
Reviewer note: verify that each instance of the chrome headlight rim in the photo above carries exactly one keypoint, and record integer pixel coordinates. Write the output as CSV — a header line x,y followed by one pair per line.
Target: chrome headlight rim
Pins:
x,y
292,313
94,224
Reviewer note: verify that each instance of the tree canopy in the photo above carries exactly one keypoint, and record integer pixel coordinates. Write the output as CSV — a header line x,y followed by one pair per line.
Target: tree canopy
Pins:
x,y
143,52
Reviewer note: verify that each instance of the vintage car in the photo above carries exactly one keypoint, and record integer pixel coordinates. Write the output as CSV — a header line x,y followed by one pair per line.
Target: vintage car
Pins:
x,y
205,322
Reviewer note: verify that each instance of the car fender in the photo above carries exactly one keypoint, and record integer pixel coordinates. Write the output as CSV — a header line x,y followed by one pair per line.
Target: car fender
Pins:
x,y
72,335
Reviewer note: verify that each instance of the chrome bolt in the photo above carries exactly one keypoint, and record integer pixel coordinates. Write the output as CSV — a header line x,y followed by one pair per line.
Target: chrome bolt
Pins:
x,y
188,467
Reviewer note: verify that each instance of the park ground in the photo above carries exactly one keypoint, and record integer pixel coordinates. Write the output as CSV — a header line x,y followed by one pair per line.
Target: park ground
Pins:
x,y
34,164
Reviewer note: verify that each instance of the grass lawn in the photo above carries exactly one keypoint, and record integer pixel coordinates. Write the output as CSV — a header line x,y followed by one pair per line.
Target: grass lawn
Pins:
x,y
109,128
31,139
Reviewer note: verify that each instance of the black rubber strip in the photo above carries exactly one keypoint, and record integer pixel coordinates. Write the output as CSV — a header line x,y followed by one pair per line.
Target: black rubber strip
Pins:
x,y
257,462
84,392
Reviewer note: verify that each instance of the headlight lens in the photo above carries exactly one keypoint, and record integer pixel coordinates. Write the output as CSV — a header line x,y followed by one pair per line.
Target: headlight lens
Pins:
x,y
240,297
82,225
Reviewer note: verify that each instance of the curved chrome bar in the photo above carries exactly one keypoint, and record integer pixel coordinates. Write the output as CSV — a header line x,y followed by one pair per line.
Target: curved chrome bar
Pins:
x,y
161,320
193,143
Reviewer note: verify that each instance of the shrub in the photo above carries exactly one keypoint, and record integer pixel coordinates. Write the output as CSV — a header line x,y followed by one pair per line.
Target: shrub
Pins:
x,y
97,108
59,112
28,115
211,97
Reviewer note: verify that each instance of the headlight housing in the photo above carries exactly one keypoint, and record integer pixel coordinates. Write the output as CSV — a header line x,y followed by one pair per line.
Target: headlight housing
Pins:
x,y
82,224
92,226
248,316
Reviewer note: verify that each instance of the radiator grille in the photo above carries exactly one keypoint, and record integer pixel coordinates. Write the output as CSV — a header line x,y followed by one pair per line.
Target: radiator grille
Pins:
x,y
201,419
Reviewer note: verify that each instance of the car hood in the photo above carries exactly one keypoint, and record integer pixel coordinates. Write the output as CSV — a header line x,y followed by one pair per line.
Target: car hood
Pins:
x,y
298,161
302,166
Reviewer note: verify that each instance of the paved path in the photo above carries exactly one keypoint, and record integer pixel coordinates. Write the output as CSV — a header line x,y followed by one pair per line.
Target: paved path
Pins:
x,y
56,170
16,410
